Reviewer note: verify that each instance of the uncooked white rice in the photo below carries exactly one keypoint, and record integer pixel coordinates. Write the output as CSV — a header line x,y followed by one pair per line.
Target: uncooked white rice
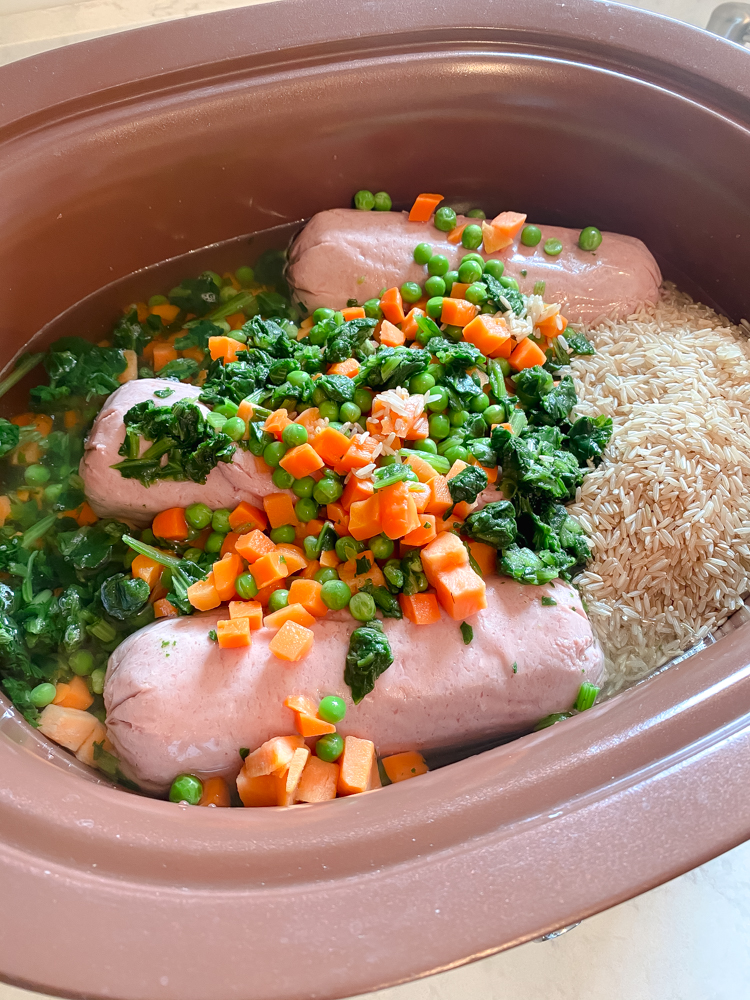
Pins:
x,y
668,510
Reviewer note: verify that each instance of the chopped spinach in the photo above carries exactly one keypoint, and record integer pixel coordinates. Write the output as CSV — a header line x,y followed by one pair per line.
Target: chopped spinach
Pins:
x,y
368,657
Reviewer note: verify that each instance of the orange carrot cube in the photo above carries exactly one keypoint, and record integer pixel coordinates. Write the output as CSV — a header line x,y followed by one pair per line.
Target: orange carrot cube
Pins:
x,y
292,642
233,633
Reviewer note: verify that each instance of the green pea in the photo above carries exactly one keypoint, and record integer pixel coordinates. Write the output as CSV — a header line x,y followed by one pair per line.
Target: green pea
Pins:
x,y
423,337
385,460
426,444
480,403
36,475
216,420
440,427
282,479
459,417
148,536
509,283
438,264
329,408
475,213
235,428
348,548
495,269
469,271
328,490
472,237
362,607
349,412
411,292
383,201
193,555
227,409
283,535
590,238
437,400
278,599
552,247
331,709
494,414
310,545
364,200
363,399
445,219
531,235
419,384
273,453
246,586
434,286
245,276
473,256
436,370
298,378
336,425
294,435
220,521
186,788
372,309
81,662
214,542
330,747
303,488
422,253
457,454
319,396
450,278
477,293
325,574
162,300
43,695
198,516
321,314
434,307
216,278
381,547
52,493
306,509
335,594
96,680
454,333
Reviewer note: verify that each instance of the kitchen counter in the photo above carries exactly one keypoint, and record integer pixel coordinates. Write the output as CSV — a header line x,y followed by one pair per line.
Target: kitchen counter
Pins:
x,y
686,940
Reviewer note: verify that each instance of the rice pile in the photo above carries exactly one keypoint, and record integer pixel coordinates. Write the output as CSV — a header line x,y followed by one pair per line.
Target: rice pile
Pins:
x,y
668,510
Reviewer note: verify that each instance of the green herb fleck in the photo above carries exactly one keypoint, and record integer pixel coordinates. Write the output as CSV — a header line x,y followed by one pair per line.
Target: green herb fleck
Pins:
x,y
214,637
467,632
515,667
244,752
548,602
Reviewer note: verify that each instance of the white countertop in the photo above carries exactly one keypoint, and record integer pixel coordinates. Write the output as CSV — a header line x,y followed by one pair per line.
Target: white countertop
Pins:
x,y
686,940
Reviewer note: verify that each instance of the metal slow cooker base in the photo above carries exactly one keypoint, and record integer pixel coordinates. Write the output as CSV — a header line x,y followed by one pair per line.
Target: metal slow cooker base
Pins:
x,y
119,153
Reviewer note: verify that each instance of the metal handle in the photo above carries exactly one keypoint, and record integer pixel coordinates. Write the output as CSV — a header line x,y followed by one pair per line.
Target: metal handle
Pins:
x,y
732,21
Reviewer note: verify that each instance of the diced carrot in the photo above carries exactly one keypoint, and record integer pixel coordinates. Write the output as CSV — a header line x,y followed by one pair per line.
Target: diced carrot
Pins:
x,y
485,556
245,517
331,445
279,510
23,419
458,290
252,610
355,575
74,694
236,321
85,752
163,354
490,473
451,524
229,544
70,727
329,559
390,335
269,569
353,312
463,509
263,596
457,312
294,774
527,355
458,466
424,471
157,594
487,333
146,569
87,516
203,594
461,592
131,367
553,326
253,545
294,556
291,613
4,509
313,527
312,568
194,353
245,410
307,593
148,353
225,572
419,429
263,790
357,766
424,533
350,368
273,755
215,793
276,423
308,724
423,207
364,517
142,310
224,347
409,327
301,461
398,512
454,236
440,498
167,312
233,633
292,641
392,306
71,418
171,525
362,451
301,703
309,419
501,231
318,782
355,491
420,609
421,494
445,553
400,766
